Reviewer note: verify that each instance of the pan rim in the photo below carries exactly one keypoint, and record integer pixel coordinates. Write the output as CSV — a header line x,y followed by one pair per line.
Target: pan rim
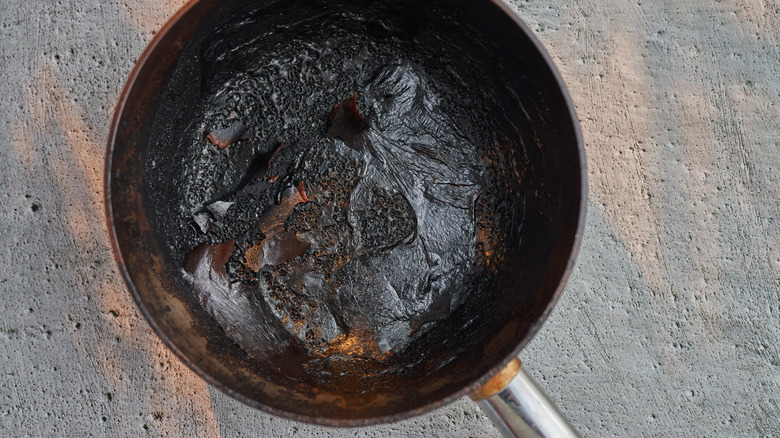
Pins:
x,y
329,421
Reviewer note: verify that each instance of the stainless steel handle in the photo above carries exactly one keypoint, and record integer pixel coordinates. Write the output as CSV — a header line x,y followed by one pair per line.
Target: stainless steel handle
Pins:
x,y
519,408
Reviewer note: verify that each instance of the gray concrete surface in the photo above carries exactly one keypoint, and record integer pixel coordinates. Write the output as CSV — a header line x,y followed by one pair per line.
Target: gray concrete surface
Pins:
x,y
670,324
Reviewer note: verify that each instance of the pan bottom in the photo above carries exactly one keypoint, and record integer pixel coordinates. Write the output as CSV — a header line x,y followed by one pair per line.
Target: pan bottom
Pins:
x,y
342,197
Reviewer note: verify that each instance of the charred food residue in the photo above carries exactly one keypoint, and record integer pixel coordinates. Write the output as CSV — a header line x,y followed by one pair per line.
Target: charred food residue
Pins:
x,y
347,227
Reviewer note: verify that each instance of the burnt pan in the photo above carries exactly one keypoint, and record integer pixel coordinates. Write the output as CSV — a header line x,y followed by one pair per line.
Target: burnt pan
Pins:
x,y
482,68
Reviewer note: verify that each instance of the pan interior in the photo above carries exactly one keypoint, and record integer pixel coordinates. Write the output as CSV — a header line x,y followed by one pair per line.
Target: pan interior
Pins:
x,y
355,204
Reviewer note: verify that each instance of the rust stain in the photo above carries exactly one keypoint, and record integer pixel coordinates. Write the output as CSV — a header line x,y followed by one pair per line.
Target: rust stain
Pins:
x,y
498,382
358,343
253,257
302,192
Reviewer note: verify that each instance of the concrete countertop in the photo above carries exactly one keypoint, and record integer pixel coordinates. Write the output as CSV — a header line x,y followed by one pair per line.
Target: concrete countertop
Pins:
x,y
670,324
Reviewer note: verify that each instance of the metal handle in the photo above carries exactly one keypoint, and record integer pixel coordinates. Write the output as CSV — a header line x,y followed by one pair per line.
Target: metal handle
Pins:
x,y
519,408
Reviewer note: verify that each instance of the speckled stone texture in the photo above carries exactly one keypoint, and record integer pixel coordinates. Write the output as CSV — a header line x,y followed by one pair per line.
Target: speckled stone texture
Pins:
x,y
670,324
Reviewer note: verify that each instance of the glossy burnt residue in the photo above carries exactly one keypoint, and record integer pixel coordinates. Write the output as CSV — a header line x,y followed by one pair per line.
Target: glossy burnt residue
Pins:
x,y
244,316
339,196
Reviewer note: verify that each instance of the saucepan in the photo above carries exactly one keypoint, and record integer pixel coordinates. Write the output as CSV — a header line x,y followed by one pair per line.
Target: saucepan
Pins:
x,y
349,212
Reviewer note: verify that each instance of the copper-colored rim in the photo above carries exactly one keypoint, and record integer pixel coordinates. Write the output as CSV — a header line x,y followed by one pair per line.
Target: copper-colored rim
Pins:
x,y
324,421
